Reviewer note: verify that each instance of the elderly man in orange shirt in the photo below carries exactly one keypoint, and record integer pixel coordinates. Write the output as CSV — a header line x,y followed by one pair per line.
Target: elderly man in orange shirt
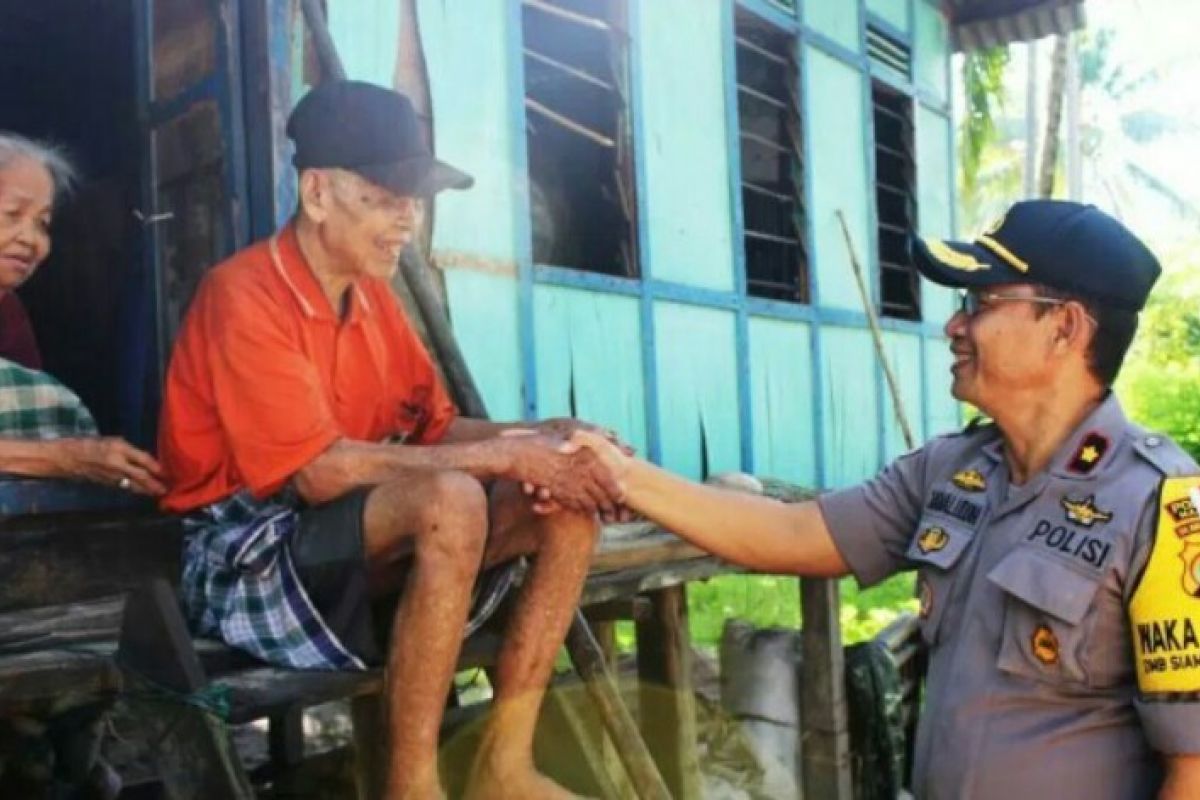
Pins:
x,y
321,465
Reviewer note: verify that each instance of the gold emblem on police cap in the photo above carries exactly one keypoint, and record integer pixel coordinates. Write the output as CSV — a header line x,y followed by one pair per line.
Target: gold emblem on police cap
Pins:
x,y
932,539
1044,645
1084,512
954,259
971,480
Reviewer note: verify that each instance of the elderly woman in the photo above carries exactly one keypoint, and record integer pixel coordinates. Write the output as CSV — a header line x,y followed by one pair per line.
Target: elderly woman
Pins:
x,y
45,430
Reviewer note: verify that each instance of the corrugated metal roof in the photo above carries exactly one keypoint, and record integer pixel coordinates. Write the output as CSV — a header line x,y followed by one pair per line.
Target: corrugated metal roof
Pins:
x,y
976,24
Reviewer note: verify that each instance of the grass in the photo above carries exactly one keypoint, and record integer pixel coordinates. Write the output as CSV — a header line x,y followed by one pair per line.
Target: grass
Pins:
x,y
771,601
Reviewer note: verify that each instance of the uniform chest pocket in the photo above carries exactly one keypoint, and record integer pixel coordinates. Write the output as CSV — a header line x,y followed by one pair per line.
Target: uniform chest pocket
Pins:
x,y
936,549
1046,609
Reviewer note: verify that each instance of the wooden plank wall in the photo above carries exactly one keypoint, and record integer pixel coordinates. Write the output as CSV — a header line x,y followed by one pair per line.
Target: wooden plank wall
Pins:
x,y
664,368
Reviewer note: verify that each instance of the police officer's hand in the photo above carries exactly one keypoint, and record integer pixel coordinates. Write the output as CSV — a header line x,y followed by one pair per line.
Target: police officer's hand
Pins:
x,y
108,460
572,477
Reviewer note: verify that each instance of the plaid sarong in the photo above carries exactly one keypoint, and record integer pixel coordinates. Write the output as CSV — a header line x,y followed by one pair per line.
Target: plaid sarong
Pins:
x,y
240,585
33,405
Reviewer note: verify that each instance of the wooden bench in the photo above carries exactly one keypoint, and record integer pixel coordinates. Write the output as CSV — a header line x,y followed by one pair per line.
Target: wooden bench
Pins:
x,y
64,579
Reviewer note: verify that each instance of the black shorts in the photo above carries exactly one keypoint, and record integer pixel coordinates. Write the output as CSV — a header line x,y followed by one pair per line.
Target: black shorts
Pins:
x,y
330,557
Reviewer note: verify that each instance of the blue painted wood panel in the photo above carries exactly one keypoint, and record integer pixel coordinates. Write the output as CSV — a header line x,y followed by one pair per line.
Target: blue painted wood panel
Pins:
x,y
467,51
589,354
483,311
837,19
894,12
686,206
366,33
931,50
945,413
837,175
904,357
851,436
697,389
935,198
781,395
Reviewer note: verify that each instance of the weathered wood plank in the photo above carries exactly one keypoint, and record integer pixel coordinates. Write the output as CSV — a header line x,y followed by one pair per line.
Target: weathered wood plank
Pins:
x,y
63,558
667,705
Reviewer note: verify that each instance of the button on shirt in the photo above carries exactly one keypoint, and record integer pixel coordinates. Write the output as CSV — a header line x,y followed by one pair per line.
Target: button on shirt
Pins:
x,y
1024,592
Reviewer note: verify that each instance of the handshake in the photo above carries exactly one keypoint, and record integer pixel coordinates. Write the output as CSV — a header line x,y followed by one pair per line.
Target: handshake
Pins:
x,y
570,465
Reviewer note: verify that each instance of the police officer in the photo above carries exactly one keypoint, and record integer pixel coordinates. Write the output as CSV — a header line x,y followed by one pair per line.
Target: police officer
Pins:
x,y
1057,551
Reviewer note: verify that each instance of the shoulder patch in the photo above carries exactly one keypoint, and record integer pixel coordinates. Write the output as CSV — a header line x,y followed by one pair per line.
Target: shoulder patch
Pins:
x,y
1164,612
1164,454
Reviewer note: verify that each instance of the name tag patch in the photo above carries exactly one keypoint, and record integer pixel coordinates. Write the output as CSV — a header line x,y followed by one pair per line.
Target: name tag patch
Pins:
x,y
956,506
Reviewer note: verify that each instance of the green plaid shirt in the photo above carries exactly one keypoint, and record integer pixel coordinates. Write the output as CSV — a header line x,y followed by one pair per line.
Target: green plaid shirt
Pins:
x,y
34,405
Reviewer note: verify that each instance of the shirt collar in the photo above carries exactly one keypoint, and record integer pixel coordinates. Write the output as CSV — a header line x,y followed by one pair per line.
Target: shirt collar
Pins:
x,y
293,269
1089,450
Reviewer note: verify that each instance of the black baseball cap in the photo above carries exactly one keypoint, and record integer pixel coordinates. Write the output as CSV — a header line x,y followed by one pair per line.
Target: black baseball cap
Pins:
x,y
1068,246
372,131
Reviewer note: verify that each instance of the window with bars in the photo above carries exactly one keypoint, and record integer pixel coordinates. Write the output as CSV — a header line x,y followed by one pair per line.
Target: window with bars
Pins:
x,y
895,201
577,128
772,161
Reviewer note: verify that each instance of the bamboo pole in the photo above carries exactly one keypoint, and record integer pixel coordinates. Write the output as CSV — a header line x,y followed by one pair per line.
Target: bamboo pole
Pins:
x,y
877,336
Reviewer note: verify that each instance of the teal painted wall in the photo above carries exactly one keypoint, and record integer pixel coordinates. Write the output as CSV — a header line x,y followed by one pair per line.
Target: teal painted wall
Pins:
x,y
467,57
931,51
935,182
839,20
697,389
945,413
904,357
781,392
589,346
686,204
851,436
366,32
483,312
895,12
837,170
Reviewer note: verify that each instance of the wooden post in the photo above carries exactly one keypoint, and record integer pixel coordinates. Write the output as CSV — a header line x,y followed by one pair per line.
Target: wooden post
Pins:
x,y
589,662
667,705
825,729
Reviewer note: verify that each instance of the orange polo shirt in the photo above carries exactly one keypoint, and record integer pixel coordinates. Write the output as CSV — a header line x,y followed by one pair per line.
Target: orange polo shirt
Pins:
x,y
264,377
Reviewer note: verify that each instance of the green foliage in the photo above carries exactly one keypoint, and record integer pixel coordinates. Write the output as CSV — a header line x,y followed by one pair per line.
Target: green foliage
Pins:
x,y
1160,383
983,83
773,601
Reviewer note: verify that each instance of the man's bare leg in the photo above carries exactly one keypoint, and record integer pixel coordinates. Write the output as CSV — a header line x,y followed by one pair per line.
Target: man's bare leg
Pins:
x,y
562,545
440,520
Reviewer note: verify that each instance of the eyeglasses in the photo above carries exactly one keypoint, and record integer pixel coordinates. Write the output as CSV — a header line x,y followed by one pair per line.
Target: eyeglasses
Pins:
x,y
971,303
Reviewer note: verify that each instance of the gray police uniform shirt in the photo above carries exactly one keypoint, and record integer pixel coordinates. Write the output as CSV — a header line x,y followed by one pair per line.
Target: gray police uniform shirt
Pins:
x,y
1031,690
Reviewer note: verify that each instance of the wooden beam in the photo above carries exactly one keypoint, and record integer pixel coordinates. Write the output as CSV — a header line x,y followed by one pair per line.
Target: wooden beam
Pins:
x,y
667,705
825,732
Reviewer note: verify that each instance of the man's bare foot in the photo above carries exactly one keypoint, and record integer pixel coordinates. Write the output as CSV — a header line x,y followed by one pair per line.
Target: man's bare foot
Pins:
x,y
490,783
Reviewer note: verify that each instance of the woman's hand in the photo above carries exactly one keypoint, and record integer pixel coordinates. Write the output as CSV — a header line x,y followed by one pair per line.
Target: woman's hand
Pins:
x,y
109,460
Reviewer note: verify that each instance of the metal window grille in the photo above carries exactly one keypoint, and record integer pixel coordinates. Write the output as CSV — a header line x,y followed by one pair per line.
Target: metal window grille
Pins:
x,y
896,205
582,200
772,161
